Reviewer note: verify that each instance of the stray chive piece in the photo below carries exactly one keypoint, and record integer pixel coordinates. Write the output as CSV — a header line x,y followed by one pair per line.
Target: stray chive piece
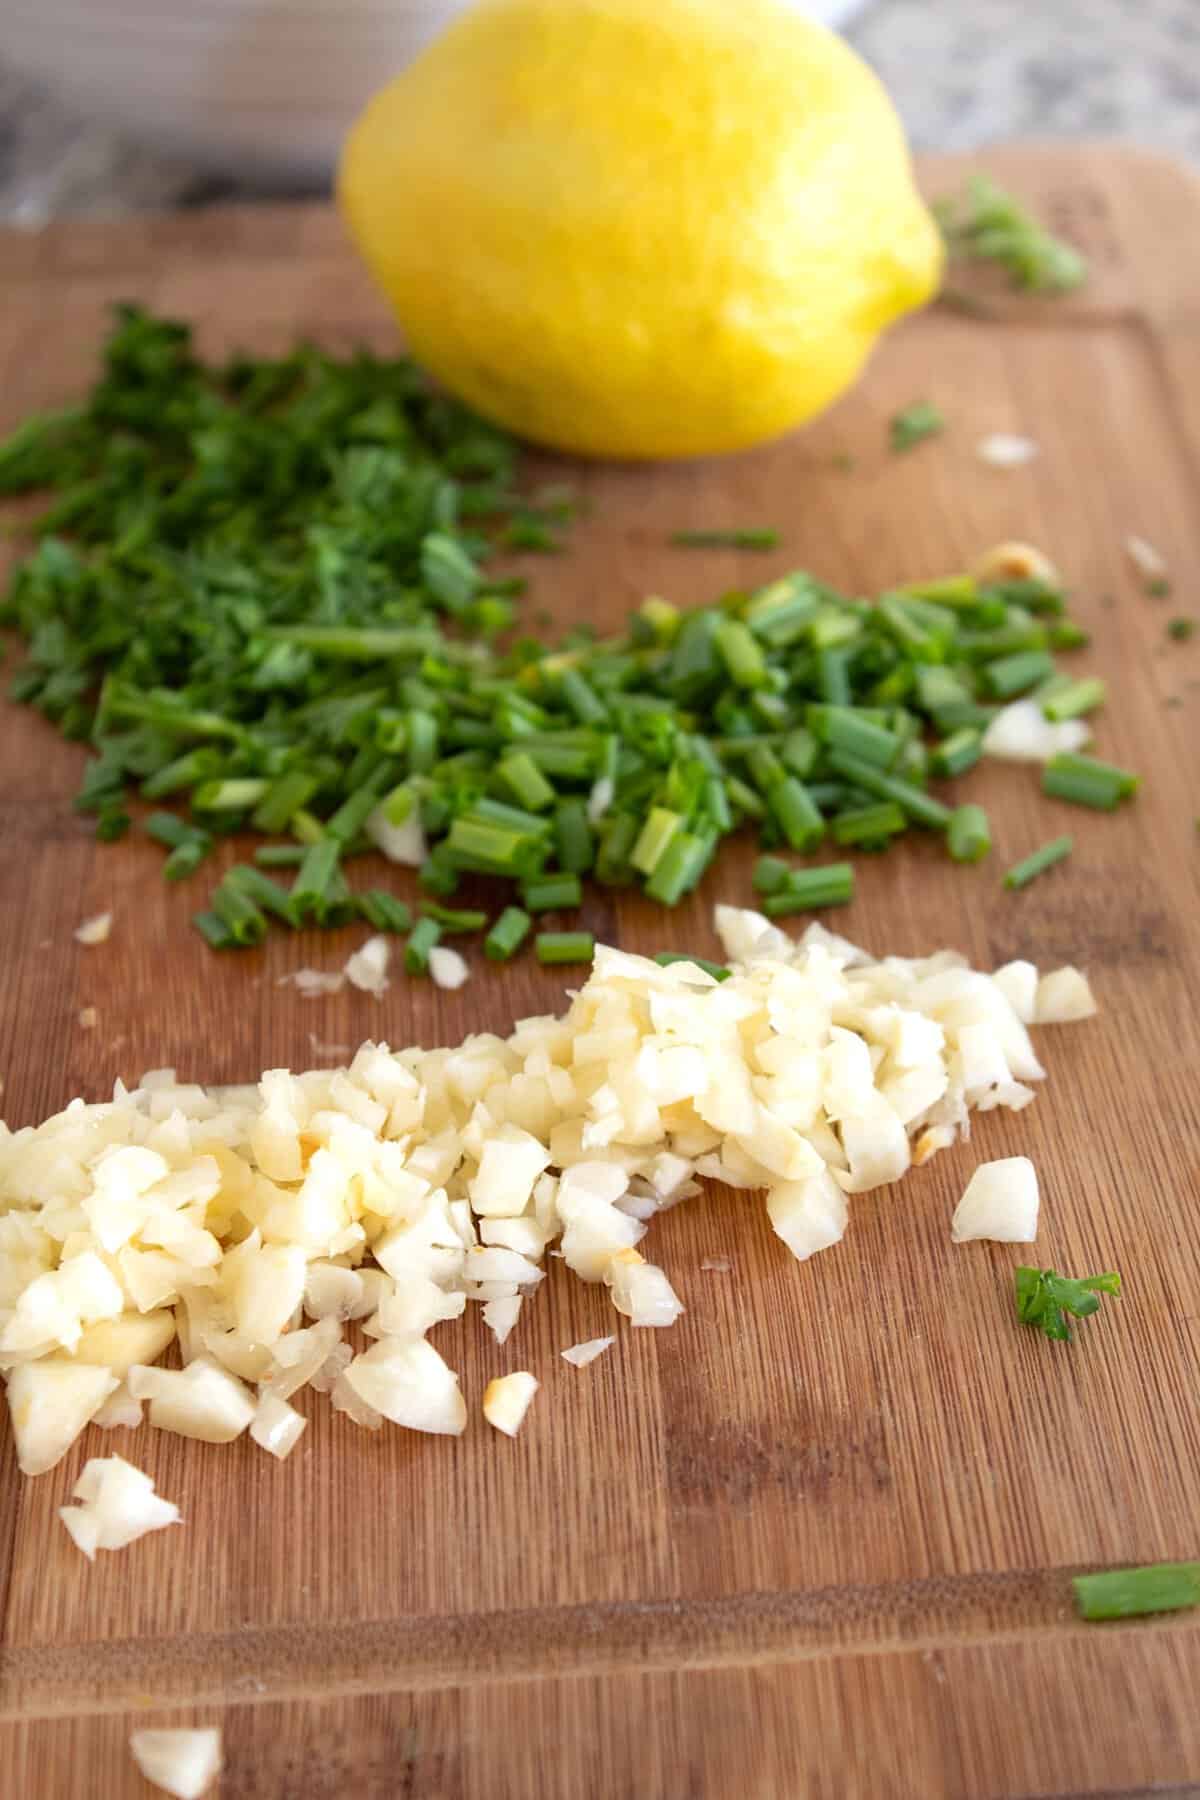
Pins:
x,y
1134,1593
718,971
215,932
564,946
552,893
914,424
280,856
869,827
1181,629
958,752
1045,1299
507,934
986,224
1022,873
1074,698
808,889
425,934
454,920
1086,781
968,835
771,875
744,537
383,912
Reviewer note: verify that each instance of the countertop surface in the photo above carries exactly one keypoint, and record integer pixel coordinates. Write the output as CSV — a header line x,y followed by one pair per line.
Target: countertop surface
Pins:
x,y
964,73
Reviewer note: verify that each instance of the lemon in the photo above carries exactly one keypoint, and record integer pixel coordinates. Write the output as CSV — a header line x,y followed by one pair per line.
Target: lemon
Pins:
x,y
640,230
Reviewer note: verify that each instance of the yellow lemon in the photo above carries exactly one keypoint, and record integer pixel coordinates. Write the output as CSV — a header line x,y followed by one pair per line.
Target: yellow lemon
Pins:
x,y
640,228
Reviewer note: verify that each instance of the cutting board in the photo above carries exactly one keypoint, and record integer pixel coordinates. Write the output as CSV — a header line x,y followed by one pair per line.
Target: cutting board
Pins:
x,y
816,1540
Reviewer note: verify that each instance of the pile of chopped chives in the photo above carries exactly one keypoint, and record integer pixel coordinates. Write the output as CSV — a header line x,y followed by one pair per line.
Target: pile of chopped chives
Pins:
x,y
259,596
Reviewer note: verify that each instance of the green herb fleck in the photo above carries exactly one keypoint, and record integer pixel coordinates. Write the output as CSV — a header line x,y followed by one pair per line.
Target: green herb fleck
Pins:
x,y
986,224
1181,629
916,422
1045,1299
744,537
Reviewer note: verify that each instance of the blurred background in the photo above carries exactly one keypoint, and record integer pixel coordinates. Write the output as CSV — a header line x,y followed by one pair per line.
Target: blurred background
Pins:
x,y
111,106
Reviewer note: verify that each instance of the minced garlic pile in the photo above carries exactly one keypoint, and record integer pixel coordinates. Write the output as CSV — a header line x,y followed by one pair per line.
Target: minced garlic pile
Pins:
x,y
249,1225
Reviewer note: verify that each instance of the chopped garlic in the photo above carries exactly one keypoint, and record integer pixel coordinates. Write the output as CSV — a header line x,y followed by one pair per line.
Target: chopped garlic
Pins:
x,y
500,1315
1148,561
312,983
403,843
1000,1202
409,1185
95,930
276,1425
582,1354
117,1505
447,967
182,1763
367,968
507,1399
1063,996
1006,450
201,1401
88,1018
1014,561
1021,732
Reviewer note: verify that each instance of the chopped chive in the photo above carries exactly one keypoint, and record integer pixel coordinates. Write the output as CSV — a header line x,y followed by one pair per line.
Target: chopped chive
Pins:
x,y
617,838
244,921
742,653
425,934
228,796
564,946
848,728
313,878
214,931
279,856
582,699
917,805
915,423
383,912
1133,1593
352,814
185,859
1075,698
968,835
454,920
869,826
807,889
718,971
260,889
507,934
1011,675
793,808
1065,634
1181,629
660,827
552,893
833,679
306,829
1022,873
575,846
957,753
285,796
747,537
771,874
679,868
1086,781
525,781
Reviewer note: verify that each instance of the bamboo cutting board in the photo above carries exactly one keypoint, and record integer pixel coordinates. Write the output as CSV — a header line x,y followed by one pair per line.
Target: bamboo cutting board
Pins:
x,y
816,1539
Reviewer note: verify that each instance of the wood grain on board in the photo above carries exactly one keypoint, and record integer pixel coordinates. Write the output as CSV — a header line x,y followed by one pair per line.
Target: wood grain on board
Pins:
x,y
815,1540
